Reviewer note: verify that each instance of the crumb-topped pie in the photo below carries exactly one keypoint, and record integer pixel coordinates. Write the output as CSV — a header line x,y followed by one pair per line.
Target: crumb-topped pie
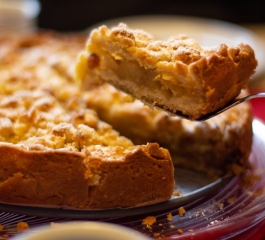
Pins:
x,y
177,75
60,144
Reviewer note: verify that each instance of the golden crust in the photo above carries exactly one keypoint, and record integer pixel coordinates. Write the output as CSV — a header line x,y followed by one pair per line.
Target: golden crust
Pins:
x,y
86,179
177,75
55,151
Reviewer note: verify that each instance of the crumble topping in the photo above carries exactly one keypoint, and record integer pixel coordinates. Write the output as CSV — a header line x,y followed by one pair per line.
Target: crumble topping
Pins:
x,y
37,118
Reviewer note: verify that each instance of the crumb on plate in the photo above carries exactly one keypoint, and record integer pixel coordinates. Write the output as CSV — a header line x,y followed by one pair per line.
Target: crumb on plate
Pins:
x,y
181,211
149,221
22,226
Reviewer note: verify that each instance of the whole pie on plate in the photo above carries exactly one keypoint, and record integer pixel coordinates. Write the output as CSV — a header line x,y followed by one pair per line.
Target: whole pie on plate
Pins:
x,y
60,144
177,75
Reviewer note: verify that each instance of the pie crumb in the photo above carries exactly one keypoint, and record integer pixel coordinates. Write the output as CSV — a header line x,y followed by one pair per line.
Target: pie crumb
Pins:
x,y
169,217
156,234
231,200
177,193
181,211
220,205
180,231
22,226
149,221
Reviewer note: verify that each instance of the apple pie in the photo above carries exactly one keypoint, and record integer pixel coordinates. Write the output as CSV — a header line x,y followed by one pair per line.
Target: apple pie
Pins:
x,y
177,75
63,146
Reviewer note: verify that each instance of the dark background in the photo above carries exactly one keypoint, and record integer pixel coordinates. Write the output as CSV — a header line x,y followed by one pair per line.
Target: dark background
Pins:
x,y
75,15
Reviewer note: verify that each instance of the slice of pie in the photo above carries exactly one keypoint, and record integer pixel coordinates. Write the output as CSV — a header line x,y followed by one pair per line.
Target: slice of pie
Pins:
x,y
177,75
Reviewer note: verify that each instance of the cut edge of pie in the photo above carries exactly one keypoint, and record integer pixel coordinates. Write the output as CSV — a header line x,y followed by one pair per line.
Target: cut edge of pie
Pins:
x,y
216,147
